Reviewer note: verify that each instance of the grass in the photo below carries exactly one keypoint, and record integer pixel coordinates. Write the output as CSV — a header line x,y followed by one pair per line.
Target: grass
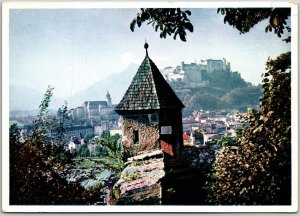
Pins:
x,y
90,162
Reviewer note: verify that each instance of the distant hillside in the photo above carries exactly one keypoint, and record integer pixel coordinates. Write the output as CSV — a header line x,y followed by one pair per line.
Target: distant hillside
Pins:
x,y
116,84
22,98
223,90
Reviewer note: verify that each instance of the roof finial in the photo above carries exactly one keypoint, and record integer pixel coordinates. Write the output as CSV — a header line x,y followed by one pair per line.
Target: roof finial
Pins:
x,y
146,47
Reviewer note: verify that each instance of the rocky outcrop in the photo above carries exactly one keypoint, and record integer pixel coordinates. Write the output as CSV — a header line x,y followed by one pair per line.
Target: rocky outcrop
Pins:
x,y
140,181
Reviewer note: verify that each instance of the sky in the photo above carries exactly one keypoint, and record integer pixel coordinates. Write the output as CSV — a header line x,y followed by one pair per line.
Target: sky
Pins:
x,y
71,49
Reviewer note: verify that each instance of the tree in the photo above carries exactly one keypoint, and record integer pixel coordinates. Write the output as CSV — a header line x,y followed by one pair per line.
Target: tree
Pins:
x,y
87,138
242,97
174,21
228,141
100,151
198,135
243,19
168,20
113,148
258,170
105,134
38,169
84,151
206,101
226,80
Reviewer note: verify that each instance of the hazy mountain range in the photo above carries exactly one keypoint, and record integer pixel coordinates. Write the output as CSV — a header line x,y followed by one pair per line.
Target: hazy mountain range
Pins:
x,y
24,98
226,90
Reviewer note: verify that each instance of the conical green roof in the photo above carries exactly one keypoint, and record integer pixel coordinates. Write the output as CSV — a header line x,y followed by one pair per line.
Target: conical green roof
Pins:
x,y
148,91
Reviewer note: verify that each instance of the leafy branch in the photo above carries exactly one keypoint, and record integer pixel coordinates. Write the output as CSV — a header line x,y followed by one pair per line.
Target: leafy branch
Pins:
x,y
169,21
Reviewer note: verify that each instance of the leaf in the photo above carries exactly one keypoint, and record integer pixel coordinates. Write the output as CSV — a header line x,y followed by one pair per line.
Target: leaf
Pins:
x,y
266,29
139,23
189,26
243,191
188,12
275,21
182,36
266,80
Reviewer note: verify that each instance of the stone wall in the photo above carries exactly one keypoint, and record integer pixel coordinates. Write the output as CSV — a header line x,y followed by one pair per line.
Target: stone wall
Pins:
x,y
140,181
200,158
148,133
146,181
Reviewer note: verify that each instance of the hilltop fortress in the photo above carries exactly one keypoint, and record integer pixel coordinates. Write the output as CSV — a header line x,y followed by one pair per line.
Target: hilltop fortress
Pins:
x,y
193,74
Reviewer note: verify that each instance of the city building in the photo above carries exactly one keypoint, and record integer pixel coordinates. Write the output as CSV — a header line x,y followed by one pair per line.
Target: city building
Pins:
x,y
74,144
94,111
115,130
79,131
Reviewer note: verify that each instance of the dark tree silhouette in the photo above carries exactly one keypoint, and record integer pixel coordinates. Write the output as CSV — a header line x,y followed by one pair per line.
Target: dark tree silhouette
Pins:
x,y
169,21
174,21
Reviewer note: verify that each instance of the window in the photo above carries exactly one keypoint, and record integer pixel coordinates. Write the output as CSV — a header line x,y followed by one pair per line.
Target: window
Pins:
x,y
153,118
166,130
135,137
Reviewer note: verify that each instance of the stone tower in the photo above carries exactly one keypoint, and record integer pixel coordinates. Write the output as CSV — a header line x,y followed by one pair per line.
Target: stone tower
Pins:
x,y
108,98
151,114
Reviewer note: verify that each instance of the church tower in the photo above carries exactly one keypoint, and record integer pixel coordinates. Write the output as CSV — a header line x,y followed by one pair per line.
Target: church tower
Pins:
x,y
151,114
108,98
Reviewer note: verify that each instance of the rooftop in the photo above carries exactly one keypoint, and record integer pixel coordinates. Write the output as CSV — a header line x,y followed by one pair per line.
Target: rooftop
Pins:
x,y
148,90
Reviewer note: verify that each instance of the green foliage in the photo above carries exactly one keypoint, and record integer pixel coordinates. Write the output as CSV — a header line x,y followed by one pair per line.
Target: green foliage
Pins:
x,y
113,148
205,101
226,80
59,127
87,138
105,134
131,176
242,98
210,98
84,151
174,21
198,135
169,21
38,169
97,190
226,90
100,151
244,19
258,170
228,141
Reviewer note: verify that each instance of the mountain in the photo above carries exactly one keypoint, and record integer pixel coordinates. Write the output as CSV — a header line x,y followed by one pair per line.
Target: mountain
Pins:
x,y
225,90
116,84
24,98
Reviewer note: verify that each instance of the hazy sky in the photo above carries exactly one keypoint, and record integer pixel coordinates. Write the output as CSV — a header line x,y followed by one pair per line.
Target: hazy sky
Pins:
x,y
71,49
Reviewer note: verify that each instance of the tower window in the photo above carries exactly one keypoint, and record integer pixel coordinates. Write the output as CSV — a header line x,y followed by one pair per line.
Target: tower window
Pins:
x,y
135,136
152,118
166,130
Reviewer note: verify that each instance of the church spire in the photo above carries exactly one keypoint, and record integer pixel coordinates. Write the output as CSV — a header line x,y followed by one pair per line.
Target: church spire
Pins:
x,y
146,47
108,98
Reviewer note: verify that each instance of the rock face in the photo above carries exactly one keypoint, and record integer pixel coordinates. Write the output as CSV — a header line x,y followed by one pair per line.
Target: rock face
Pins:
x,y
140,181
